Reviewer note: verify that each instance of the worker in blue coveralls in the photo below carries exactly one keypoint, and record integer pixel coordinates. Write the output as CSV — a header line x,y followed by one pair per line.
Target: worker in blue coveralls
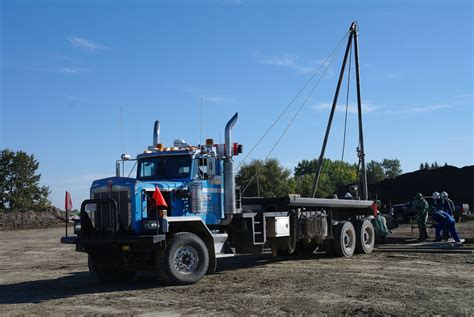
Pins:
x,y
445,221
446,204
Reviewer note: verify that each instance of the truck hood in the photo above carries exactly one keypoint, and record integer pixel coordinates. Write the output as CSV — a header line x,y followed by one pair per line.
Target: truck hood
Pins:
x,y
113,181
163,185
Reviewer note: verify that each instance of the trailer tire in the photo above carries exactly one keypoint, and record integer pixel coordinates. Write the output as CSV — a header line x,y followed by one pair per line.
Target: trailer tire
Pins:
x,y
344,239
365,236
185,260
108,274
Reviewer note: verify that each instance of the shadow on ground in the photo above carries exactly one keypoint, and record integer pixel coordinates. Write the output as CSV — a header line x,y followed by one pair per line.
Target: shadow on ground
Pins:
x,y
79,283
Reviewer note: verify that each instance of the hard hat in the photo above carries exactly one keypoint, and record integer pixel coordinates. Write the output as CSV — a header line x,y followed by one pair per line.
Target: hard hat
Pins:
x,y
348,195
435,195
418,195
444,194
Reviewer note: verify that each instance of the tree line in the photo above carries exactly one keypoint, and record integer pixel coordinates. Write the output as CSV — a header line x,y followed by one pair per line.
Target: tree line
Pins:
x,y
20,188
269,178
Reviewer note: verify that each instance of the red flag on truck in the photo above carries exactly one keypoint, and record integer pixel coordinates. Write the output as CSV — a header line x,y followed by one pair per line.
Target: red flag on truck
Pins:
x,y
68,202
158,197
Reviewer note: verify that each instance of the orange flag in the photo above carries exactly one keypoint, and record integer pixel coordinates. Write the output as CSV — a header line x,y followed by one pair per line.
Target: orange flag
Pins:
x,y
158,197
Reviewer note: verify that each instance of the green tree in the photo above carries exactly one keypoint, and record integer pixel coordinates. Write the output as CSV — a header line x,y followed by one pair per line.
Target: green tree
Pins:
x,y
19,183
306,167
375,172
273,180
333,175
392,168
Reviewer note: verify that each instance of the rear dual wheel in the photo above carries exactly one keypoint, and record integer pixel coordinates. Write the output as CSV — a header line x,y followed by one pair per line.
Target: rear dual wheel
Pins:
x,y
365,236
349,238
344,239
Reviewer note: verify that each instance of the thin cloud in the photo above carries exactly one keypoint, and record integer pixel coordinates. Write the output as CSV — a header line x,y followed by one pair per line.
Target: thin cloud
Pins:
x,y
219,100
298,64
70,70
420,109
234,2
207,94
64,70
394,75
86,44
352,108
464,96
287,60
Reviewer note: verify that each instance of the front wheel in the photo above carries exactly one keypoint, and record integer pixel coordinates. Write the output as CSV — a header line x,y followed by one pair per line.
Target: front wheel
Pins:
x,y
185,260
344,239
109,274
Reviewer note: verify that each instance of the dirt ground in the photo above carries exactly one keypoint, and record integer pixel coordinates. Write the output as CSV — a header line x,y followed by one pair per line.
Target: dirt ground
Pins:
x,y
39,276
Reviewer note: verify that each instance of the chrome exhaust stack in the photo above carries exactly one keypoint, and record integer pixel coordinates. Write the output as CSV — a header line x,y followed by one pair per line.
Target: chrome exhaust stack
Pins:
x,y
156,134
229,179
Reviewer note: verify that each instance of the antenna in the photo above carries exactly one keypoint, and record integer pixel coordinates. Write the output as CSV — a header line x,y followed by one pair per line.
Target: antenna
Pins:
x,y
121,127
121,132
200,125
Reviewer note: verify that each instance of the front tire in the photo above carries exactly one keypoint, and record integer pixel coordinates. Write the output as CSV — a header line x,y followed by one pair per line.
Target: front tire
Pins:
x,y
365,236
185,260
109,274
344,239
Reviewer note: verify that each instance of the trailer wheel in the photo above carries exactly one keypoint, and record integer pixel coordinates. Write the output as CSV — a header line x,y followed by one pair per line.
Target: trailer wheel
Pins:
x,y
365,236
109,274
344,239
185,260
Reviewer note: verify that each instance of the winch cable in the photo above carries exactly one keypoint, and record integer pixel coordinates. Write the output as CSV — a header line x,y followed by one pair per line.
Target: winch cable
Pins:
x,y
328,63
345,118
330,56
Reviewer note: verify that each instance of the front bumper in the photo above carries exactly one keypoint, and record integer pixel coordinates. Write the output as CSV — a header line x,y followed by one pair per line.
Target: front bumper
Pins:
x,y
151,240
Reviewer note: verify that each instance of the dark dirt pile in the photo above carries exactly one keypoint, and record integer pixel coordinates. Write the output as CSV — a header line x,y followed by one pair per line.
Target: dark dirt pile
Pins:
x,y
52,217
458,182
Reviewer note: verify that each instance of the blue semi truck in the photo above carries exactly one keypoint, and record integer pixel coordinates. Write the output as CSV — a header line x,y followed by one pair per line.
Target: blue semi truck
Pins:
x,y
123,230
200,214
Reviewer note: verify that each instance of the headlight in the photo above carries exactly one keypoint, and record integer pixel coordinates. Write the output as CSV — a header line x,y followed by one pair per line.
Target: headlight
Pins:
x,y
77,226
150,224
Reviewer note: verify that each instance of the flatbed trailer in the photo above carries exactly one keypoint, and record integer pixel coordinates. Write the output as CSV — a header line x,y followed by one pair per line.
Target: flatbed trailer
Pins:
x,y
294,224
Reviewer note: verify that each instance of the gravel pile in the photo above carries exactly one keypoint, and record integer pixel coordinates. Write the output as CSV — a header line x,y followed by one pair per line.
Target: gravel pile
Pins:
x,y
458,182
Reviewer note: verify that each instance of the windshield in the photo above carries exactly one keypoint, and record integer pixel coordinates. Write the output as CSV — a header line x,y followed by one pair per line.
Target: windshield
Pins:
x,y
164,167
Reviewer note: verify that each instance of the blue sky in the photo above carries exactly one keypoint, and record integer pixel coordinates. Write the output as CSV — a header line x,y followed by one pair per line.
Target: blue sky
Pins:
x,y
68,68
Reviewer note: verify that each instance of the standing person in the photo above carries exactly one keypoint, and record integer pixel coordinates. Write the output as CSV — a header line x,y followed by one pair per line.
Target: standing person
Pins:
x,y
446,204
421,208
442,221
436,201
